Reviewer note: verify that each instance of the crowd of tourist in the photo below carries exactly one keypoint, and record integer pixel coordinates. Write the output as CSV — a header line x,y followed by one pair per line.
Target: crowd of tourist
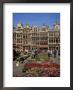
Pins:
x,y
53,53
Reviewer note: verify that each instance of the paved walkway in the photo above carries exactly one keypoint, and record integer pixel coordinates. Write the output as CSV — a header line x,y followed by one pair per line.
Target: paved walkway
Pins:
x,y
17,71
55,60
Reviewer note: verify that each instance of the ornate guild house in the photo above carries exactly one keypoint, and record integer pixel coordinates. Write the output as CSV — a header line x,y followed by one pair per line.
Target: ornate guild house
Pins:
x,y
33,37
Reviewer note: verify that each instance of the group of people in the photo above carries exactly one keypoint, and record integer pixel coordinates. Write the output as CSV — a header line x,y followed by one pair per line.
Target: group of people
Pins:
x,y
53,53
34,53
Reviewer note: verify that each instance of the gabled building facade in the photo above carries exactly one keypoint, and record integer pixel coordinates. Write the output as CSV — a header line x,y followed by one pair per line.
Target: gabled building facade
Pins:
x,y
31,38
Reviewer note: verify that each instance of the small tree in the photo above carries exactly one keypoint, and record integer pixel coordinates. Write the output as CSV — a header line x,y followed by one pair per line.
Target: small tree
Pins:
x,y
16,54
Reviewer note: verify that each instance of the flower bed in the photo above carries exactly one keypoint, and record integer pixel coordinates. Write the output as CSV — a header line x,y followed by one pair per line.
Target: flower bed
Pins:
x,y
41,70
31,65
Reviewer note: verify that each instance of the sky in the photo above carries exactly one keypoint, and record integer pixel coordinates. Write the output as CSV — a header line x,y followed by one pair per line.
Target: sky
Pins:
x,y
36,18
